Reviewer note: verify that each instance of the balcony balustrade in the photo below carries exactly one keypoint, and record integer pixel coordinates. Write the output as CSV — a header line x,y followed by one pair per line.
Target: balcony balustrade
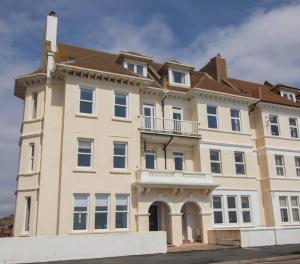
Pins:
x,y
169,126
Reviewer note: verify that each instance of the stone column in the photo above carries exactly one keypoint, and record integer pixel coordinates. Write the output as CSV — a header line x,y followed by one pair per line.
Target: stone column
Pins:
x,y
143,222
206,224
176,228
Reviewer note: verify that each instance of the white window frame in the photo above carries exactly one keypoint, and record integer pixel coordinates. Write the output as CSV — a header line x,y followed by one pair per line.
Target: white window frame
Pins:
x,y
219,209
150,152
213,115
274,124
126,62
91,154
246,209
240,163
294,207
297,167
288,95
177,155
34,97
284,207
233,210
27,214
236,118
126,106
93,101
216,161
87,212
103,212
127,211
294,127
32,151
187,78
282,166
116,155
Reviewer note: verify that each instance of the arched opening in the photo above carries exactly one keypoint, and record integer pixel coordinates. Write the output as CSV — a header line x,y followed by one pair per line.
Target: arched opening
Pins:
x,y
191,223
159,218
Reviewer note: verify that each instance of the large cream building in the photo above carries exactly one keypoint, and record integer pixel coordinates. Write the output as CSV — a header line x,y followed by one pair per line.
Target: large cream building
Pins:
x,y
120,143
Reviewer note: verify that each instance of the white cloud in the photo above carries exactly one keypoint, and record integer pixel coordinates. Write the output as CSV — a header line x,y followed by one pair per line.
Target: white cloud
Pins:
x,y
265,46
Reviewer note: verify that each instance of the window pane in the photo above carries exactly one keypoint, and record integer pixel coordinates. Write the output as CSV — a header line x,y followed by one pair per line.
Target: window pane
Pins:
x,y
295,212
238,156
218,217
140,69
283,201
86,107
273,119
235,113
240,169
100,220
178,163
150,161
246,217
214,155
130,66
274,130
212,110
79,221
231,202
297,161
101,202
121,220
215,167
294,132
84,160
84,146
119,149
217,202
293,121
294,201
284,215
86,94
178,77
121,200
279,160
212,122
120,111
232,216
235,125
245,202
120,99
119,162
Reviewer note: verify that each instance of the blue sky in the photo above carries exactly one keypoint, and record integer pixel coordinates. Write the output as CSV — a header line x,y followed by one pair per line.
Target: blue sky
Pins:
x,y
260,40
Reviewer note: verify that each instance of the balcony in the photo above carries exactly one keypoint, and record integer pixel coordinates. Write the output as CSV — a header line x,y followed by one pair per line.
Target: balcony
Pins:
x,y
163,126
172,179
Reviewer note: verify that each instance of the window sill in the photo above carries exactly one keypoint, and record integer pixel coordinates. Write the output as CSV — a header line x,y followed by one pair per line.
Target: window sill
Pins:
x,y
82,170
121,119
92,116
28,121
24,235
120,172
225,131
234,176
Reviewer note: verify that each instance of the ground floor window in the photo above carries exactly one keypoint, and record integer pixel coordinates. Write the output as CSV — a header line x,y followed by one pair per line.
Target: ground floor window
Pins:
x,y
121,211
80,211
101,211
289,209
27,213
232,209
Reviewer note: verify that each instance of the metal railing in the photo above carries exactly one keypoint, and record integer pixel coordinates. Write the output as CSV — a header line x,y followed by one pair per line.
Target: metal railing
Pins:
x,y
174,126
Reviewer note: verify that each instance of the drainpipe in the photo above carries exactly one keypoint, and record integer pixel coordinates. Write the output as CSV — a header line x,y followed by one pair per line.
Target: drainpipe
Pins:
x,y
165,150
163,121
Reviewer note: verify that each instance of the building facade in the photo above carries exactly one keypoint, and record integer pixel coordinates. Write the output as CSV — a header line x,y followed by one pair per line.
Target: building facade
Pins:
x,y
121,143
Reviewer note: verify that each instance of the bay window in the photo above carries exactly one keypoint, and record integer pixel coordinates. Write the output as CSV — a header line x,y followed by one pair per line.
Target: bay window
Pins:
x,y
274,121
122,217
293,127
235,120
279,163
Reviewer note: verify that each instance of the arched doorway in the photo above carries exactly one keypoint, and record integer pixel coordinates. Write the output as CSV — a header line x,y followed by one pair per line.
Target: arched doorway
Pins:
x,y
191,223
159,218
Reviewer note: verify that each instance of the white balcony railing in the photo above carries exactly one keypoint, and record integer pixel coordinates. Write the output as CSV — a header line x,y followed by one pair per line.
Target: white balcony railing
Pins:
x,y
171,178
171,126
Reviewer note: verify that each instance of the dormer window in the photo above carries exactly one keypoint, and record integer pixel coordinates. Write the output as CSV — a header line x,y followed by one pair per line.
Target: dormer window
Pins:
x,y
288,95
139,69
179,78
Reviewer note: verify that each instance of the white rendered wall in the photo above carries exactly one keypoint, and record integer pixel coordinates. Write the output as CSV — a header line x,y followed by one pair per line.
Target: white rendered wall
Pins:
x,y
41,249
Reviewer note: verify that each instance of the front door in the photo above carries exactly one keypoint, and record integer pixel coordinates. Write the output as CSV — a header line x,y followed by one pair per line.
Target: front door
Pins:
x,y
177,117
148,111
153,218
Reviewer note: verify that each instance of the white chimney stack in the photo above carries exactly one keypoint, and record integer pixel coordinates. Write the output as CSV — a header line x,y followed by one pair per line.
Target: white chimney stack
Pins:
x,y
50,35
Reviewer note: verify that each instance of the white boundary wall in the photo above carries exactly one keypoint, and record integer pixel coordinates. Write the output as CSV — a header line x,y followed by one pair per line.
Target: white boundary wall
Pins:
x,y
255,237
40,249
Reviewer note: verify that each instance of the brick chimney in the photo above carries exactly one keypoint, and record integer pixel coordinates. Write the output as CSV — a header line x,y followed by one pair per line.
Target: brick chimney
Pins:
x,y
216,68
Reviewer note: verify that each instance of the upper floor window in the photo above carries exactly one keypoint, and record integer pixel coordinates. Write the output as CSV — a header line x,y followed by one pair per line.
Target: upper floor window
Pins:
x,y
80,212
86,105
239,159
288,95
101,211
284,210
212,117
120,155
297,164
32,156
27,213
293,127
136,68
121,105
180,78
274,125
150,158
84,153
215,161
34,104
235,120
279,163
178,161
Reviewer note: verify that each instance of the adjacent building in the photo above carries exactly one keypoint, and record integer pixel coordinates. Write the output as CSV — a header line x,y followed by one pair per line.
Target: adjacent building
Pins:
x,y
121,143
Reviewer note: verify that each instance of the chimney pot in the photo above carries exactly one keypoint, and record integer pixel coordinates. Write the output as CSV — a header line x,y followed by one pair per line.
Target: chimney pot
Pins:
x,y
52,13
